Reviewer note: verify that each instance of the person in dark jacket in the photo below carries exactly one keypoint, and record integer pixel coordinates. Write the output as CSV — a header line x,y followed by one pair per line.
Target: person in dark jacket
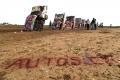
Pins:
x,y
88,24
93,24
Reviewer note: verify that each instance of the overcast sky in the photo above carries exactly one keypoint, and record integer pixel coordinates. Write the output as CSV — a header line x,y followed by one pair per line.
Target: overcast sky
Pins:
x,y
107,11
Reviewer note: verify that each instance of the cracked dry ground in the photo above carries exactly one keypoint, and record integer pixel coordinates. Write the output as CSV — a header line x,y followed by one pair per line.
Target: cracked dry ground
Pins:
x,y
59,44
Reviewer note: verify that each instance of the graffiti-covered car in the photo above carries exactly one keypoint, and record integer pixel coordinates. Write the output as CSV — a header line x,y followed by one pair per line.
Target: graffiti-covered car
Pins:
x,y
70,21
36,19
78,22
58,21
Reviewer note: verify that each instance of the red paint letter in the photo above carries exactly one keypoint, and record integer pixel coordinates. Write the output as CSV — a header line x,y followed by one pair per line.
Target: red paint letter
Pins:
x,y
32,64
63,60
75,61
97,60
49,61
18,62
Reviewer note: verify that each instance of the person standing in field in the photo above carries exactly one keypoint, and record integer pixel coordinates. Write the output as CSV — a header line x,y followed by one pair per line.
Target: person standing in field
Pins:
x,y
82,24
88,24
72,25
97,24
60,24
110,25
93,24
85,24
50,24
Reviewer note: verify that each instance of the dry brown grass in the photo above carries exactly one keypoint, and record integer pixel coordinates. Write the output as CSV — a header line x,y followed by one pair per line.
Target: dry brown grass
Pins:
x,y
57,43
2,74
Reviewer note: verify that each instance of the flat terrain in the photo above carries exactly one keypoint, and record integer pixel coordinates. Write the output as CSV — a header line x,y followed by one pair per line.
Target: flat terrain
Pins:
x,y
63,44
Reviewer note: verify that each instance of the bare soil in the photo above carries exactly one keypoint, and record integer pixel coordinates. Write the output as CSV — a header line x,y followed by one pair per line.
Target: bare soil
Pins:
x,y
54,43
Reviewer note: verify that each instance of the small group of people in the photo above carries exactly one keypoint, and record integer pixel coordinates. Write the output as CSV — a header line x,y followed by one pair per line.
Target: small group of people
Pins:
x,y
93,24
87,24
101,25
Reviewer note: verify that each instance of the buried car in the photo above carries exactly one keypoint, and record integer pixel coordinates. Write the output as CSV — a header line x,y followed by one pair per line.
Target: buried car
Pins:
x,y
36,19
58,21
69,23
77,22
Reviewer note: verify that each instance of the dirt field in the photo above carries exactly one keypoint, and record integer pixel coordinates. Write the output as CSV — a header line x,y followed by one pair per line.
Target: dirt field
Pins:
x,y
63,45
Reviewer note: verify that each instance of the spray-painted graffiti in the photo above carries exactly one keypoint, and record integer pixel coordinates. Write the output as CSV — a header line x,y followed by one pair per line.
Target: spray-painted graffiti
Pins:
x,y
60,61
